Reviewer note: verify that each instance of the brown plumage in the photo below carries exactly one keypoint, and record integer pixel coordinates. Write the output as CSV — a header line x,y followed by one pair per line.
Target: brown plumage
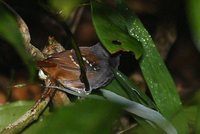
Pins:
x,y
64,68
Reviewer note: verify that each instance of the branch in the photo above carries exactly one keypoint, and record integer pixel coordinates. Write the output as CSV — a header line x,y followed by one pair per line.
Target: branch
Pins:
x,y
60,99
31,49
31,115
76,19
53,47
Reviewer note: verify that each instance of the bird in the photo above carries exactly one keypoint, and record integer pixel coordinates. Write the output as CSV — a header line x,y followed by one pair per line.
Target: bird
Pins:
x,y
63,68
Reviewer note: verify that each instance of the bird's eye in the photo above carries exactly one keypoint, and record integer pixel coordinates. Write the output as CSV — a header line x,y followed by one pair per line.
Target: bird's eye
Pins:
x,y
42,75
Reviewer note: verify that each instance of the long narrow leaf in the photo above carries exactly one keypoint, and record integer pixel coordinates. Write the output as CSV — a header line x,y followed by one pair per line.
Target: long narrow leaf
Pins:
x,y
141,111
154,70
132,94
133,90
159,80
110,27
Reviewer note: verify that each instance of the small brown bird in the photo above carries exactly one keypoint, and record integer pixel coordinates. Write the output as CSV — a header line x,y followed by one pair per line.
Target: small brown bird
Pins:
x,y
64,68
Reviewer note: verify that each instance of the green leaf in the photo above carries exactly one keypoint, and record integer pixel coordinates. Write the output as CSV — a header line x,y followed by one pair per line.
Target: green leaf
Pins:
x,y
86,117
133,90
154,70
65,7
10,112
197,123
114,86
140,130
9,32
192,110
159,80
124,87
193,17
111,29
191,115
141,111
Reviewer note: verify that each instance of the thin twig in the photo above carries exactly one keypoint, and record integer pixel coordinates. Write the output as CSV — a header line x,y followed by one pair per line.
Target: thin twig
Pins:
x,y
127,129
31,49
76,19
83,76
